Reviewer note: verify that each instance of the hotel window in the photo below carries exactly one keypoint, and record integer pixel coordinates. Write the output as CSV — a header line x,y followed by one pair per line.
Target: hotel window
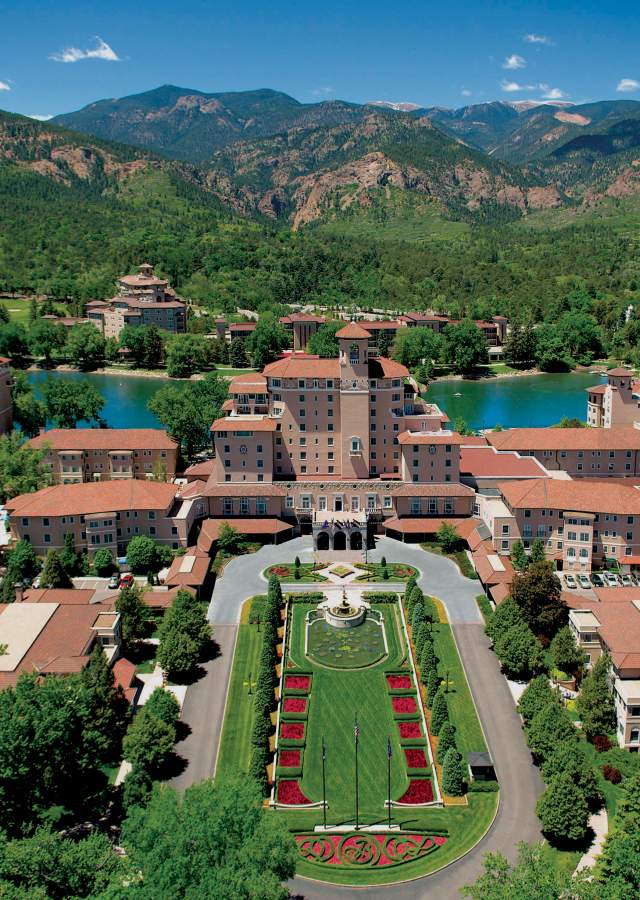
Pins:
x,y
541,531
355,445
505,529
227,507
260,464
526,531
301,383
579,467
355,504
415,506
563,454
47,538
505,545
628,551
387,502
329,382
572,536
584,536
330,428
303,469
227,477
303,455
527,513
584,553
25,522
628,454
244,506
448,507
331,468
433,505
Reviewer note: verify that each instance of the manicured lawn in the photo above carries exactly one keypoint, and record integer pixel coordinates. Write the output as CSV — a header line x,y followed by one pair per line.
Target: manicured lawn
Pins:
x,y
235,744
286,572
18,311
461,709
229,371
374,572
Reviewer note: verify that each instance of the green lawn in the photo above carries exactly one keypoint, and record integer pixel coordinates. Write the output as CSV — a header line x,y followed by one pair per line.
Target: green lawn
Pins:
x,y
229,371
461,708
235,747
18,310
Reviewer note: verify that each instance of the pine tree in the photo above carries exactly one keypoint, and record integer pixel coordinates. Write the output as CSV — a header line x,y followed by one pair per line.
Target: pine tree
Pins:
x,y
422,635
417,617
53,573
452,775
594,704
439,712
433,683
427,661
446,740
537,552
519,558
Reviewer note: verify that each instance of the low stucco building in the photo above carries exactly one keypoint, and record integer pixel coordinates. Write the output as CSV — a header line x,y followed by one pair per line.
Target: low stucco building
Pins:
x,y
106,454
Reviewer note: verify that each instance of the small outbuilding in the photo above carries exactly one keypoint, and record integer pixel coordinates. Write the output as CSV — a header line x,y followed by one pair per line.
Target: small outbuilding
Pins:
x,y
481,766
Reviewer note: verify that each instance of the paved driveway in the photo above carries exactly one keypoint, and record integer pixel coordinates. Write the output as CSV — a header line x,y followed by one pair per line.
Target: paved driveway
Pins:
x,y
520,783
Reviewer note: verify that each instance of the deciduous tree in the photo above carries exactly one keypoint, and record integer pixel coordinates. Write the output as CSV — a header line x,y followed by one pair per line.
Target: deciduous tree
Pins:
x,y
537,592
594,704
563,810
69,402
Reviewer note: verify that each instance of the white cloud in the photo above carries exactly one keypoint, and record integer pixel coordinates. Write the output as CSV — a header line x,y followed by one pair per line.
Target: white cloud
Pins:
x,y
512,87
627,85
536,39
74,54
552,93
514,62
40,118
323,91
465,92
4,86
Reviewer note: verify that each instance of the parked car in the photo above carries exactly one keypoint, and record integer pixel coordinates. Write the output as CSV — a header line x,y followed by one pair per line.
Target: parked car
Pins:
x,y
570,581
612,579
126,580
627,580
583,581
597,579
114,581
37,582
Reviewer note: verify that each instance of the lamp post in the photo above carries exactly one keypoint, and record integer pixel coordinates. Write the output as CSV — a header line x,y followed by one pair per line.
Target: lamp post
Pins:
x,y
324,786
389,755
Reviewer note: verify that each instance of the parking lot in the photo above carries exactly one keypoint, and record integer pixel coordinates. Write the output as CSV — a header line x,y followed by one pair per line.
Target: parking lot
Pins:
x,y
586,585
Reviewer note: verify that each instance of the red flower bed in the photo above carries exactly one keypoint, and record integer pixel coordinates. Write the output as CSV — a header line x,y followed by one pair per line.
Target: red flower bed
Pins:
x,y
297,682
415,759
410,729
289,758
280,571
403,571
399,682
419,791
289,792
295,704
294,731
404,704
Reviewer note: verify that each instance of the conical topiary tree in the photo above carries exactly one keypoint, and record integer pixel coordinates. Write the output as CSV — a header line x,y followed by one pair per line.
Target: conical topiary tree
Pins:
x,y
421,637
427,661
439,712
416,617
433,683
446,740
452,775
430,611
409,603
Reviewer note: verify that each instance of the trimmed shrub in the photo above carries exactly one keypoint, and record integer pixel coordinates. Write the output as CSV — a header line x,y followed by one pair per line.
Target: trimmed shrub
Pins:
x,y
421,637
417,615
446,740
427,662
452,775
433,683
439,712
610,773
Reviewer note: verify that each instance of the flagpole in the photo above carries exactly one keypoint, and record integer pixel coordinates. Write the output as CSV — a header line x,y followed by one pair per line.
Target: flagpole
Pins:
x,y
324,787
356,732
389,754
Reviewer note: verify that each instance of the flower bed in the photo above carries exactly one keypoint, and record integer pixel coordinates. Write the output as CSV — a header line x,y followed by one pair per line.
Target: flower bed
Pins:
x,y
290,794
409,730
415,758
419,791
367,851
404,705
292,731
297,683
289,759
399,682
294,705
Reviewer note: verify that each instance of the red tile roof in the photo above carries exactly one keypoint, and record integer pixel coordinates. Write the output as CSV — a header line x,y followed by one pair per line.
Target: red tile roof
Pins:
x,y
91,498
620,372
487,462
242,326
381,367
606,496
210,530
235,423
200,470
305,367
243,489
427,525
249,382
622,438
104,439
197,568
63,596
302,317
382,325
433,489
124,672
597,389
352,331
163,599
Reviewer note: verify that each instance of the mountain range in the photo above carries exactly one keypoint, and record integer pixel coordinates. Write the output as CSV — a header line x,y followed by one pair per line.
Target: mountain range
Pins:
x,y
263,153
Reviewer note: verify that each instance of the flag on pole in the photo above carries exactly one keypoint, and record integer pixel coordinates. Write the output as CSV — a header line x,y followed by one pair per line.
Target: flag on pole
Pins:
x,y
356,730
389,748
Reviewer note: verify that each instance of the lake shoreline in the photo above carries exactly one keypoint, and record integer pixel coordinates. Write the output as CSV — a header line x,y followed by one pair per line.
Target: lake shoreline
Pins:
x,y
596,369
159,375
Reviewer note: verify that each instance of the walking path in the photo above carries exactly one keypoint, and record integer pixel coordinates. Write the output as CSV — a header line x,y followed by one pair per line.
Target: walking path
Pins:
x,y
599,823
520,783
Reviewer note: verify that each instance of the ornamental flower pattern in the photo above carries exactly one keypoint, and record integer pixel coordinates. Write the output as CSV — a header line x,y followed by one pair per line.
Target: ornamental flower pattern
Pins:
x,y
419,791
399,682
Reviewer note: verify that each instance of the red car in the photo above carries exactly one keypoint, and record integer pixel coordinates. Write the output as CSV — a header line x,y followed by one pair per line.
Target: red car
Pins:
x,y
126,580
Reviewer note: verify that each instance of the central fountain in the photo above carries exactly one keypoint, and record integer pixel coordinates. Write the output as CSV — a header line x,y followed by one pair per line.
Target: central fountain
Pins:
x,y
346,614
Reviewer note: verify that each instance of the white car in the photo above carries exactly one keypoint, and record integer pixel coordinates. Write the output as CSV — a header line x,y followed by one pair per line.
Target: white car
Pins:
x,y
627,580
612,579
584,582
570,581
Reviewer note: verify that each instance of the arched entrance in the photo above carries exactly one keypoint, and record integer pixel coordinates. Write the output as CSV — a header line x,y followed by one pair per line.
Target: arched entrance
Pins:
x,y
322,540
355,541
339,541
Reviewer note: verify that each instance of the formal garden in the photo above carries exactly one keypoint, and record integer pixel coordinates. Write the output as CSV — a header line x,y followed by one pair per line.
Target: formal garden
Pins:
x,y
307,696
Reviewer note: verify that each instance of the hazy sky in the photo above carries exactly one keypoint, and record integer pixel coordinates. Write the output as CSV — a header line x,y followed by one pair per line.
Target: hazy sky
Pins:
x,y
59,56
